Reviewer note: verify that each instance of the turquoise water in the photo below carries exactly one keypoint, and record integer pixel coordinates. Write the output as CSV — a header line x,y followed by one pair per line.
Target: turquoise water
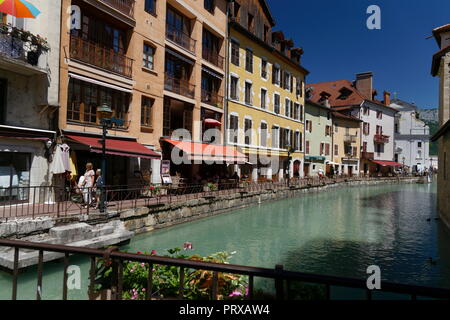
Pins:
x,y
337,232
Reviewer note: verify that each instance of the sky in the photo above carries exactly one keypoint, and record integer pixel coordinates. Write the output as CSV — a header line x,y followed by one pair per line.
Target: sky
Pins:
x,y
338,44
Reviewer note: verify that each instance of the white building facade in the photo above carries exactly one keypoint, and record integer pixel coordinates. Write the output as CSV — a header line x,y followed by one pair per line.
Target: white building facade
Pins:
x,y
412,137
29,98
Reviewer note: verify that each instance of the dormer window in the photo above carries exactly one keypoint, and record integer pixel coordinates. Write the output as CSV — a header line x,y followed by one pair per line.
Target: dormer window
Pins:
x,y
344,93
250,23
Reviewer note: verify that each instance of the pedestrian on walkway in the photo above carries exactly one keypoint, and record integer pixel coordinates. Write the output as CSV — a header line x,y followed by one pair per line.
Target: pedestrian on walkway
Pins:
x,y
89,179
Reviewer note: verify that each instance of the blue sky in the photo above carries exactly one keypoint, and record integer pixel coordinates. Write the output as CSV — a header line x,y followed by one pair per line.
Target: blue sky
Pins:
x,y
338,44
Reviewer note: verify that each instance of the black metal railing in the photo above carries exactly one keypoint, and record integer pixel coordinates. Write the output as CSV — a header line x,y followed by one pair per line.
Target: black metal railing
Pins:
x,y
181,38
212,56
212,98
32,202
283,279
124,6
179,86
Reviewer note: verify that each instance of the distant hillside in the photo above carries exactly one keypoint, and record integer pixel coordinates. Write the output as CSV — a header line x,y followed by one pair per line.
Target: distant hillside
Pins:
x,y
429,115
431,118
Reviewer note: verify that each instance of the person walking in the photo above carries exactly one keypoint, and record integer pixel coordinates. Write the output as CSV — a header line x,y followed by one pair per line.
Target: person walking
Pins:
x,y
89,178
98,187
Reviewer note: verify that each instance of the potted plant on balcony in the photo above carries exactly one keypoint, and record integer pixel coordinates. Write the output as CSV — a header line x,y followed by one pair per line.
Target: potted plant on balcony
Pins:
x,y
39,46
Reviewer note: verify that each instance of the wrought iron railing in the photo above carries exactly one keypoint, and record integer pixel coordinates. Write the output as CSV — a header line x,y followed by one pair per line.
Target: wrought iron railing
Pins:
x,y
179,37
19,47
212,98
124,6
32,202
179,86
212,56
283,279
100,56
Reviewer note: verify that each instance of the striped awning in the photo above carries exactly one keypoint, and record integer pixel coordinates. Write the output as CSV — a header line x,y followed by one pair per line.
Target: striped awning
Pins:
x,y
212,73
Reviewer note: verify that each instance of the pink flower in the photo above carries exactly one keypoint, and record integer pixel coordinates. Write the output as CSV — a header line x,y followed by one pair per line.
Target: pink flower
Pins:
x,y
139,252
132,270
142,264
143,290
235,294
153,252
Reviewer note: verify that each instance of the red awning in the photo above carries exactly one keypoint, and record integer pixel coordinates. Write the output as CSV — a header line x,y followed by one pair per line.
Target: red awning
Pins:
x,y
118,147
387,163
197,151
212,122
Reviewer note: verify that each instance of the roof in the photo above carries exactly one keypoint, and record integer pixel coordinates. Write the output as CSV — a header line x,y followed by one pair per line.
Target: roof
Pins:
x,y
437,60
333,88
437,32
344,116
267,11
443,130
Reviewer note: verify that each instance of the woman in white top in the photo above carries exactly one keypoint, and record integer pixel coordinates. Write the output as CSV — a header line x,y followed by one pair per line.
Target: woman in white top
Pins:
x,y
89,178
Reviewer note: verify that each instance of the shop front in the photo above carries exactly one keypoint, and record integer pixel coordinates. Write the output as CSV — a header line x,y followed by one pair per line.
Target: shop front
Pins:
x,y
314,165
383,167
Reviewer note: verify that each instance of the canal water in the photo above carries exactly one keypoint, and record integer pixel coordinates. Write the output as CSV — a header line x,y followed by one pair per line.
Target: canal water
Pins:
x,y
339,232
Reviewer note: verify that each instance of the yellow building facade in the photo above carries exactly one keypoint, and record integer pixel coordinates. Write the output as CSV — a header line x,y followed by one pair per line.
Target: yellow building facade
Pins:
x,y
265,110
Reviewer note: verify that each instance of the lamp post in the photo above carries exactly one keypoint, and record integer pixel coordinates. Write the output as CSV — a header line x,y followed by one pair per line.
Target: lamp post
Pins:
x,y
290,151
104,113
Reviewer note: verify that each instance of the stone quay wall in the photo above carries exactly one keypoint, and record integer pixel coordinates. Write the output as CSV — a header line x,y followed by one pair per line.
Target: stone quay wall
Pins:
x,y
146,219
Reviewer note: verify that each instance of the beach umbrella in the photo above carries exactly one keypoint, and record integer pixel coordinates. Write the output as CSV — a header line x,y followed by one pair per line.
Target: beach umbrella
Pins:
x,y
19,8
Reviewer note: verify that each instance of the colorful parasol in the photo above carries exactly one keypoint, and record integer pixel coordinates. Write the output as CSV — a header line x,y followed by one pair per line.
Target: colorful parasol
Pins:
x,y
19,8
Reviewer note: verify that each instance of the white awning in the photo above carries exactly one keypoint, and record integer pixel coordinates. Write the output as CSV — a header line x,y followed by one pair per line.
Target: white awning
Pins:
x,y
212,73
100,83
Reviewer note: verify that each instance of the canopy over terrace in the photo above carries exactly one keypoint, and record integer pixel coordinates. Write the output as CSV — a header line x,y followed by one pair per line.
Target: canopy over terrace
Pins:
x,y
203,152
387,163
118,147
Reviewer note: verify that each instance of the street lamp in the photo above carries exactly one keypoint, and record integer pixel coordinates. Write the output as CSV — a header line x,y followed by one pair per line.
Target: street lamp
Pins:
x,y
290,151
104,113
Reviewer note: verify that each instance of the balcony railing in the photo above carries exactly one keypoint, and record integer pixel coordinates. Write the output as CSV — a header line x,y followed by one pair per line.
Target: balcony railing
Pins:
x,y
124,6
350,138
179,86
180,38
100,56
380,138
18,45
367,155
212,98
213,57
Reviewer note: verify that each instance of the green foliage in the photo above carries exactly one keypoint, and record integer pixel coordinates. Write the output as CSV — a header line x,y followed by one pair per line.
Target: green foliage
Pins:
x,y
166,279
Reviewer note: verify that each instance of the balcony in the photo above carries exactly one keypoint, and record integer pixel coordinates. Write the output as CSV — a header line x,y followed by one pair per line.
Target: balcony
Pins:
x,y
180,38
212,98
213,57
179,86
99,56
22,51
380,138
367,155
124,6
350,138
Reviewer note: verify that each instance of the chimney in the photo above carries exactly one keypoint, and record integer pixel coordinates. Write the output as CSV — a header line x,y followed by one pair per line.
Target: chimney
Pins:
x,y
387,98
363,84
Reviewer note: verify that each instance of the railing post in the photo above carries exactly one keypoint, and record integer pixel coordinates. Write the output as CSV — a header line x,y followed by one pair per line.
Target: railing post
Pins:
x,y
15,273
39,282
279,287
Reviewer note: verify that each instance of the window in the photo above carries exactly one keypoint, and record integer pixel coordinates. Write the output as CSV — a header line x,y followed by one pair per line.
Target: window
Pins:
x,y
249,60
379,115
287,108
146,111
276,75
336,150
419,144
276,108
307,147
264,69
327,131
266,33
296,111
287,81
150,6
263,134
379,130
275,136
234,83
327,149
322,149
308,126
235,53
299,87
248,131
301,112
3,91
148,56
364,147
366,128
298,141
263,98
366,111
396,128
209,5
233,129
248,93
84,98
250,23
15,172
354,152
